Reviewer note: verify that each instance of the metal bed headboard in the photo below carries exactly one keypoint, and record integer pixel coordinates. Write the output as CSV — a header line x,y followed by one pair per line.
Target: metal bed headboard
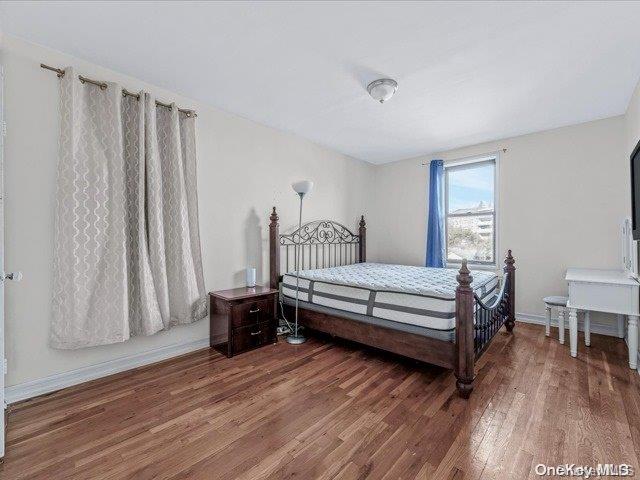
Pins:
x,y
322,243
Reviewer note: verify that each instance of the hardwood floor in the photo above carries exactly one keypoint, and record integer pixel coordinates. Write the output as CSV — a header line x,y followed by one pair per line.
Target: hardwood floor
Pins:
x,y
333,410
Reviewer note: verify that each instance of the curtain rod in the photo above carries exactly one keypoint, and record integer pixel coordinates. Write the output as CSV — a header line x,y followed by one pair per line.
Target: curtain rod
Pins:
x,y
125,92
503,150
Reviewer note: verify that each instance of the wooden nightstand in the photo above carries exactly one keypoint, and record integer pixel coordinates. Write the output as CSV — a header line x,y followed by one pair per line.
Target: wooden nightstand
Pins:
x,y
242,319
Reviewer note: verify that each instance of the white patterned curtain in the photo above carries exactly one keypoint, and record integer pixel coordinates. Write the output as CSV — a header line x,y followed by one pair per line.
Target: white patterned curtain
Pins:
x,y
127,249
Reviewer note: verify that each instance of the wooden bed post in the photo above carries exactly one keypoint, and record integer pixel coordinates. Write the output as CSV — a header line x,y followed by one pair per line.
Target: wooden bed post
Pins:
x,y
465,354
362,246
510,270
274,250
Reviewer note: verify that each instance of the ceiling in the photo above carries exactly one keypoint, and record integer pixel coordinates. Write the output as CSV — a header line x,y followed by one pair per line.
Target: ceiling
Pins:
x,y
468,72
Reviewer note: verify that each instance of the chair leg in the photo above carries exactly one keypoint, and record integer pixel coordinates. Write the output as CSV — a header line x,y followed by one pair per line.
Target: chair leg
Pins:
x,y
547,325
587,328
561,325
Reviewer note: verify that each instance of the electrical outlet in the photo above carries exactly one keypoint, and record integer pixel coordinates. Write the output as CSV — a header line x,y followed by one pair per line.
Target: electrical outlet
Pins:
x,y
282,330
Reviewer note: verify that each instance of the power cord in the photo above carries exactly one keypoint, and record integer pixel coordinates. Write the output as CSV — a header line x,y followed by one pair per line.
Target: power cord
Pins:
x,y
282,330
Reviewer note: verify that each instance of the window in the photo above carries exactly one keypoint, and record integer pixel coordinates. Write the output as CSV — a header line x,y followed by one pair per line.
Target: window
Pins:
x,y
470,208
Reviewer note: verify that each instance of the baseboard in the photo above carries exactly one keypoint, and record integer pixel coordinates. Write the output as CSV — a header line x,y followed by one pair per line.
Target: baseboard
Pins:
x,y
23,391
599,328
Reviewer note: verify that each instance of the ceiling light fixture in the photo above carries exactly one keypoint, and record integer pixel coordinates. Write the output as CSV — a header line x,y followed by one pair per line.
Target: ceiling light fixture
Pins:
x,y
382,89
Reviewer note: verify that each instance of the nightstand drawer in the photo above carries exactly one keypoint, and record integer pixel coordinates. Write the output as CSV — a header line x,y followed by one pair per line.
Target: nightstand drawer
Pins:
x,y
252,312
242,318
253,336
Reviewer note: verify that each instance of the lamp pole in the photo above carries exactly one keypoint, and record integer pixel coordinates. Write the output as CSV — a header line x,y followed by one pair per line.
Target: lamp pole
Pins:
x,y
301,188
298,264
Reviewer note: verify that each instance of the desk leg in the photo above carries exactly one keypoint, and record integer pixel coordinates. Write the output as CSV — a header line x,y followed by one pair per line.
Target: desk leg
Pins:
x,y
587,328
620,326
633,342
573,332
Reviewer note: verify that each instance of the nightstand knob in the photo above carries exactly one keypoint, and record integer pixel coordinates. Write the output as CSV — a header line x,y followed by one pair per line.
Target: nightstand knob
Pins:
x,y
254,311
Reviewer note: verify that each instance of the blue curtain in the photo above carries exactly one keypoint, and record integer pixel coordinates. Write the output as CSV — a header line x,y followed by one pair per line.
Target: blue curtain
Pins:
x,y
435,222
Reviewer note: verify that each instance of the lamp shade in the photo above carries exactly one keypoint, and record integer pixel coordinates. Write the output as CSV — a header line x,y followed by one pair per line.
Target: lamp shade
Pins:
x,y
302,187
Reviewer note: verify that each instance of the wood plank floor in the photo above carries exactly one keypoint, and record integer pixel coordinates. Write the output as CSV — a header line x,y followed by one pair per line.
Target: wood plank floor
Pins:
x,y
333,410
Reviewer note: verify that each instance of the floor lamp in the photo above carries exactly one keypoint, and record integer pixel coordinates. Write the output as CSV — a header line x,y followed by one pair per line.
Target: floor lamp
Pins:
x,y
301,188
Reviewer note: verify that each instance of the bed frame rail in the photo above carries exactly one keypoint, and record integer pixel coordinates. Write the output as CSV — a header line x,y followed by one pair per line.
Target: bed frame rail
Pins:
x,y
478,322
489,317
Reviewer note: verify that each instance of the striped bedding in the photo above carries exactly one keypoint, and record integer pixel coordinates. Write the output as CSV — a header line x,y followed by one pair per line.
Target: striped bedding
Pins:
x,y
420,296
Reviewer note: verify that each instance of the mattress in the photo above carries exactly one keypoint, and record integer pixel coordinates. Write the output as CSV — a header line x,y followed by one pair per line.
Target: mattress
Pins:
x,y
419,296
445,335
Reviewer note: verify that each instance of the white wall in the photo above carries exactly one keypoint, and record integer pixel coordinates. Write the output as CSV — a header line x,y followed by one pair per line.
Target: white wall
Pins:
x,y
563,194
243,169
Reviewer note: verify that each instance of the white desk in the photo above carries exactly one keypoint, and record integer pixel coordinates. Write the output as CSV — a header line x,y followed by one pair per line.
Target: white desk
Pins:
x,y
610,291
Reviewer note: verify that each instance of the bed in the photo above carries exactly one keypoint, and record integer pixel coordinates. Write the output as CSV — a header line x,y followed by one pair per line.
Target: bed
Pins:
x,y
440,316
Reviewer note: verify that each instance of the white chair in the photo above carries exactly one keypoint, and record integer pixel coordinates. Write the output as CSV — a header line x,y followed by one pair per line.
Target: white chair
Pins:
x,y
561,304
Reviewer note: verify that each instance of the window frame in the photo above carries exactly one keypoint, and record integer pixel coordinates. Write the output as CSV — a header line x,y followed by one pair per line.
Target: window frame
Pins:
x,y
467,163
